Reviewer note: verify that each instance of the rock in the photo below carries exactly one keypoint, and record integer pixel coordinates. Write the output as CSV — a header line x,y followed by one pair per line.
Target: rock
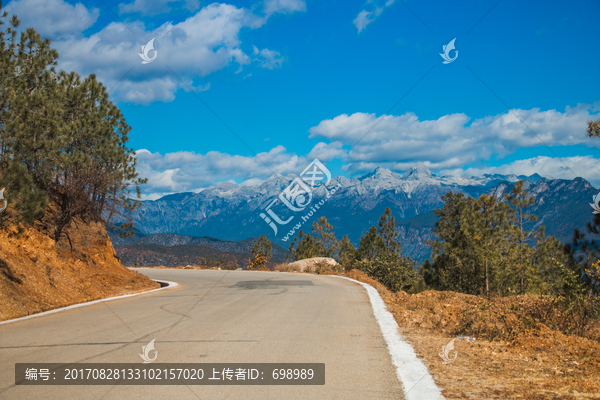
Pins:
x,y
310,263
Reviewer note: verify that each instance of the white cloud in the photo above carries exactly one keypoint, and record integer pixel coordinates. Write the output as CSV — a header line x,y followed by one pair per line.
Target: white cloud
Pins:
x,y
365,17
153,7
450,141
587,167
284,6
327,152
268,59
53,18
206,42
158,89
186,171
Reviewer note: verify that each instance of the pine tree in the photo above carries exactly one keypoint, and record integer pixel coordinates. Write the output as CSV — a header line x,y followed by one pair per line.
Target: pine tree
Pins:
x,y
453,267
380,255
584,251
388,233
520,274
303,246
369,245
262,246
593,128
261,253
472,246
26,67
322,242
325,241
347,253
486,226
63,144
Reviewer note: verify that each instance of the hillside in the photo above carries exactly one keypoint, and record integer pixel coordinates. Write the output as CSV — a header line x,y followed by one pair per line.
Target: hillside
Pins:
x,y
37,275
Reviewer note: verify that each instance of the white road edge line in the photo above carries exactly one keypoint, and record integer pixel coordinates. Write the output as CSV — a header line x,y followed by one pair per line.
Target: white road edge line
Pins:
x,y
412,373
170,285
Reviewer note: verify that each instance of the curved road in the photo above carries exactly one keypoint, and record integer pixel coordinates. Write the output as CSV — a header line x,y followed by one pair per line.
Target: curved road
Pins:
x,y
214,316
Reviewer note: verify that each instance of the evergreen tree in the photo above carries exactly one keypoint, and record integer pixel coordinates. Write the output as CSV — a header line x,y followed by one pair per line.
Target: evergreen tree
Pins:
x,y
262,247
324,238
347,253
485,248
486,226
26,68
369,245
381,240
62,142
520,274
380,255
593,128
322,242
473,244
556,274
584,251
388,233
453,267
303,246
261,253
429,274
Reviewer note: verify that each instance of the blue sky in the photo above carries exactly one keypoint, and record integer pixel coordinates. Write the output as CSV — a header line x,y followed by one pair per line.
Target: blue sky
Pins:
x,y
298,79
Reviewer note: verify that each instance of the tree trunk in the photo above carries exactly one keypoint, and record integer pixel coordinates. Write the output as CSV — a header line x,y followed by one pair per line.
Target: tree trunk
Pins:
x,y
487,280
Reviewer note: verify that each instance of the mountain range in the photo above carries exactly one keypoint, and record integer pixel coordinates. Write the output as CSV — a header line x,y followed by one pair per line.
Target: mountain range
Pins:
x,y
233,212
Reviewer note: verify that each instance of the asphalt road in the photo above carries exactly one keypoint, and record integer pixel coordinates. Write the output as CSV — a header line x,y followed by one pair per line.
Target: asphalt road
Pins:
x,y
214,316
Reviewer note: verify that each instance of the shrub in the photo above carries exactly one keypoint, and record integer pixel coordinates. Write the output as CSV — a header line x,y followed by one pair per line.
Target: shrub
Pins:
x,y
394,272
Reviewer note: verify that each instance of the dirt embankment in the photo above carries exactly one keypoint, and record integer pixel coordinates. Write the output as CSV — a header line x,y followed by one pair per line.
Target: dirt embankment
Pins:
x,y
37,274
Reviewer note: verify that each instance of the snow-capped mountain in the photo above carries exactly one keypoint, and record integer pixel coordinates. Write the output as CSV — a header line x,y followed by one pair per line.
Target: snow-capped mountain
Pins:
x,y
233,212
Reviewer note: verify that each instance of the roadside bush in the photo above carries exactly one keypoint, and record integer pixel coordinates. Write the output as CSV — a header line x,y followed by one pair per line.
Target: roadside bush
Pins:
x,y
395,273
321,267
285,267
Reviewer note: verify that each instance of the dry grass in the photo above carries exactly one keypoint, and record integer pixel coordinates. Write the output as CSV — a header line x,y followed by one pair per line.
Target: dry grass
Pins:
x,y
511,358
501,318
503,370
